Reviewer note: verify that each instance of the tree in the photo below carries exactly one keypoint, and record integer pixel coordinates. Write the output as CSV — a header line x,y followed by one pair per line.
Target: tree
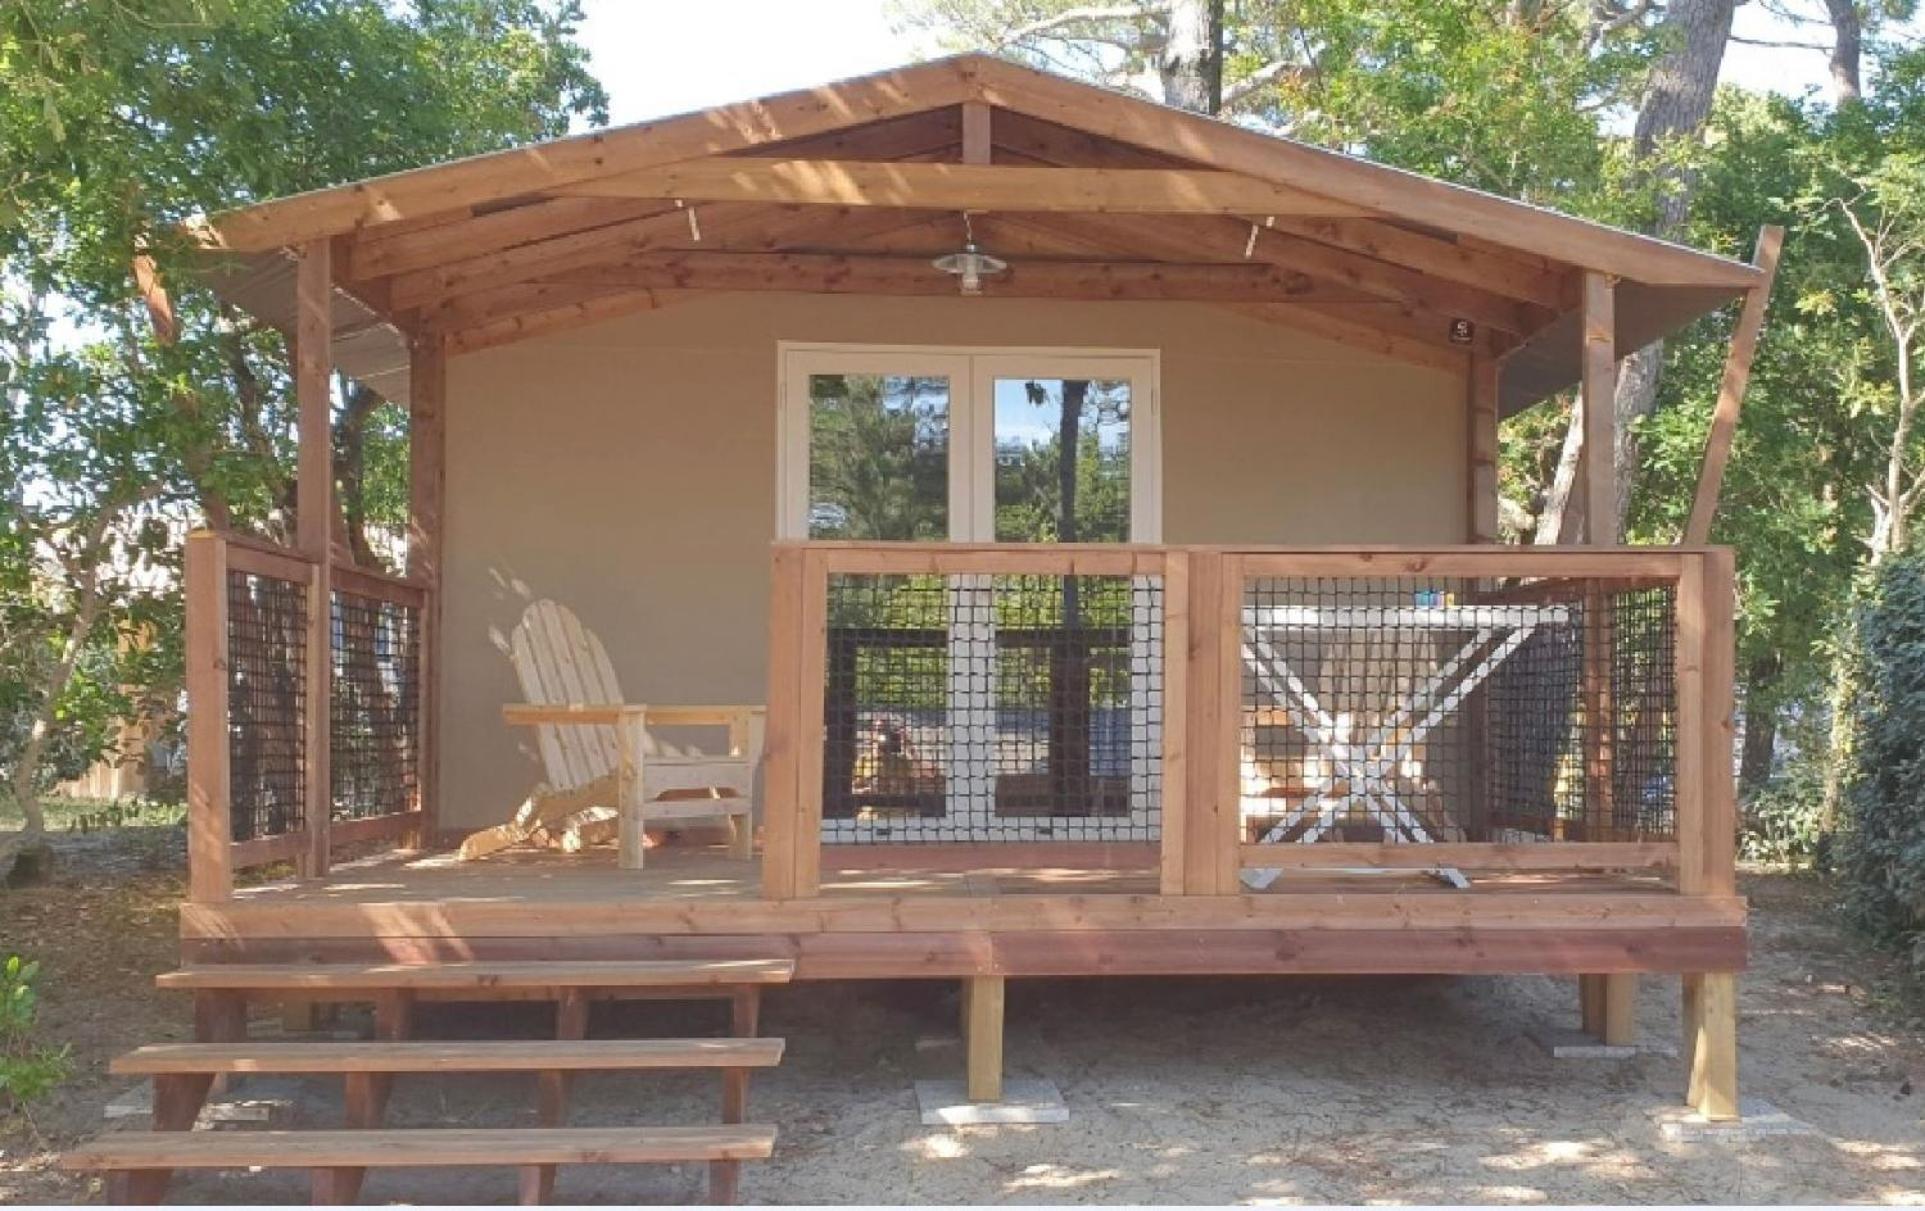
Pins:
x,y
131,394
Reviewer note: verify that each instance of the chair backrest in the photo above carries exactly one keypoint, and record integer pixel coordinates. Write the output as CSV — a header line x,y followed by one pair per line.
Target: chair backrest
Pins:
x,y
560,661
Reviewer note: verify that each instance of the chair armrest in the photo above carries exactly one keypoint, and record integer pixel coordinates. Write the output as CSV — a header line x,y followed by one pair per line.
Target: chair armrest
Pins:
x,y
529,714
701,716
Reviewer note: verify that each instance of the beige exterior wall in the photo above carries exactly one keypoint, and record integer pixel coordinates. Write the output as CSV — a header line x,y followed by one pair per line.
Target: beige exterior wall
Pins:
x,y
628,471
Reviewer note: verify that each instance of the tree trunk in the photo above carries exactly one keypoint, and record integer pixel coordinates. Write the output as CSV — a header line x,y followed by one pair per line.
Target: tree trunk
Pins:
x,y
1677,102
1848,29
350,470
24,787
1191,66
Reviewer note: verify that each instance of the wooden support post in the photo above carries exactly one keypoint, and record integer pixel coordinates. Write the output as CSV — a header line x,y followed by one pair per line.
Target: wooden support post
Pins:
x,y
1731,391
983,1037
1174,823
781,754
1590,1005
314,519
812,681
1600,410
365,1100
427,492
1480,479
178,1098
210,823
1620,996
1711,1043
976,132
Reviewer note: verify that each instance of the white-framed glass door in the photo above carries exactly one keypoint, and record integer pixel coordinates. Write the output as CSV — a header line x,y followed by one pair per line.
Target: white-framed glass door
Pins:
x,y
900,444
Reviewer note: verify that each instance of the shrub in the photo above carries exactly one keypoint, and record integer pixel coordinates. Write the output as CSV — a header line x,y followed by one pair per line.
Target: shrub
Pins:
x,y
1881,847
28,1070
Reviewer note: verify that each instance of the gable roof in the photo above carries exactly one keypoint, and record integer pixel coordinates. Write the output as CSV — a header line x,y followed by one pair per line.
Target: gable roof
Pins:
x,y
1092,193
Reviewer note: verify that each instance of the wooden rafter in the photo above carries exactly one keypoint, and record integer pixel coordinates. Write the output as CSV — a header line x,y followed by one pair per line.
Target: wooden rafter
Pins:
x,y
380,253
961,187
1371,186
520,327
818,274
444,187
738,228
1208,239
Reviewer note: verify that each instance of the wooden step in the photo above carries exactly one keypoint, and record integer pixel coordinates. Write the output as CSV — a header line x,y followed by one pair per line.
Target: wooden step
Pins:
x,y
534,1055
420,1148
347,977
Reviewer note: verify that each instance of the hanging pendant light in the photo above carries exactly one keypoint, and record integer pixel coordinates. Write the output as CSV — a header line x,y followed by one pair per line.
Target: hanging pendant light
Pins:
x,y
972,263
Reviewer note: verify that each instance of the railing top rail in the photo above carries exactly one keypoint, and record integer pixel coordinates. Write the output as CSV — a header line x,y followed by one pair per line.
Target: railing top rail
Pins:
x,y
381,586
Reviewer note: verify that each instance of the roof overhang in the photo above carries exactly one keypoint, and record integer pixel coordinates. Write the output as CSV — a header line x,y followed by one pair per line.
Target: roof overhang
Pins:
x,y
813,191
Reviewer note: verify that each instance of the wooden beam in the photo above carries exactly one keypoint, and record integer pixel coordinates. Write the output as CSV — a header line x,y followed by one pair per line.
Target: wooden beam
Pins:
x,y
210,823
976,132
512,329
1230,241
1481,448
1599,470
375,254
837,274
1620,1009
314,519
917,134
1043,142
427,493
737,228
1731,391
1374,187
479,179
1362,332
1510,276
969,186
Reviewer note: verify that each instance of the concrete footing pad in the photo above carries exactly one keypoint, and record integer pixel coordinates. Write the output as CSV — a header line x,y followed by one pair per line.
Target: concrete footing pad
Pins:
x,y
1569,1044
1757,1120
947,1104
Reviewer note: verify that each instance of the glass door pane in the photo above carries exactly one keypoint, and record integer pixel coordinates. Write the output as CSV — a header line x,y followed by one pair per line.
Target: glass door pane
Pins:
x,y
1042,495
879,447
1062,474
879,457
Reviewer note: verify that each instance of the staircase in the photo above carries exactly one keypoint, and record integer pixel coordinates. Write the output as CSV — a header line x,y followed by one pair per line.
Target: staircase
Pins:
x,y
139,1166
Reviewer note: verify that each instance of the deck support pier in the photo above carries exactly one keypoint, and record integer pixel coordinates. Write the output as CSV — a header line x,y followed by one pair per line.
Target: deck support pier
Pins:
x,y
1608,1007
983,1037
1711,1044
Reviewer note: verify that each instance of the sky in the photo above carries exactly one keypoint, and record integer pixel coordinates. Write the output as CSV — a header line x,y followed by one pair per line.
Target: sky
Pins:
x,y
660,57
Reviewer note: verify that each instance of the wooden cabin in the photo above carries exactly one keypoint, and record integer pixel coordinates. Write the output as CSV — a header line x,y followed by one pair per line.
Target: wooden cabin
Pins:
x,y
791,404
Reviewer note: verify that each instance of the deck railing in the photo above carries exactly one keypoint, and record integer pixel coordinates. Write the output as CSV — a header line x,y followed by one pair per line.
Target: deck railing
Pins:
x,y
308,727
1224,718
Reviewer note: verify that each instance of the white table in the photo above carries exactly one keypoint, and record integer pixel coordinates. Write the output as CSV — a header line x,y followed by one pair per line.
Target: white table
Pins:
x,y
1362,764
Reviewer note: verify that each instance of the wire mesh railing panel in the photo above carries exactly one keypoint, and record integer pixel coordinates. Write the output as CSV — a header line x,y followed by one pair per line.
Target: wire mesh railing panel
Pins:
x,y
1433,709
992,708
266,704
374,707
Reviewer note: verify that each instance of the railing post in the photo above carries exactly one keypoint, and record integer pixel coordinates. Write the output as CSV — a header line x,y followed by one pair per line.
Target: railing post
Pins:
x,y
210,823
1174,819
314,520
1720,722
780,757
811,733
1690,754
427,392
1214,680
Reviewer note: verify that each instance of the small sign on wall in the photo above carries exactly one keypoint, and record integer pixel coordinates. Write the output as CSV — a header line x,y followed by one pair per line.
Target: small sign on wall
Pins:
x,y
1462,332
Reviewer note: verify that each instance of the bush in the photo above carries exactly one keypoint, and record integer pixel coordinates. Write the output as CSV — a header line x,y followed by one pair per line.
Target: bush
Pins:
x,y
28,1070
1881,846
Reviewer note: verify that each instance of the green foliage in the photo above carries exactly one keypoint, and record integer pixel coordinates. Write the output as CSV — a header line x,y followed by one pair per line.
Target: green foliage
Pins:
x,y
29,1070
118,122
1881,849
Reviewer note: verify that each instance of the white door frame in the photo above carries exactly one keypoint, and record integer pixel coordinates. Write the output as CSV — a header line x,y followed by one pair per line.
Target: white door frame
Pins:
x,y
972,372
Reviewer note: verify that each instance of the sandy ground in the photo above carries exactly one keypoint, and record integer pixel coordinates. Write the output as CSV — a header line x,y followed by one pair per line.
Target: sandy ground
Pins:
x,y
1182,1091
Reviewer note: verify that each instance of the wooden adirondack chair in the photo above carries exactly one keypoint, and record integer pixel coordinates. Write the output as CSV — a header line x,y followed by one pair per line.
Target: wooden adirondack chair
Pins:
x,y
602,754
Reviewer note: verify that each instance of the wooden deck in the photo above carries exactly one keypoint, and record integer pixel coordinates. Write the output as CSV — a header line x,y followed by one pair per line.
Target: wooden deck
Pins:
x,y
1035,921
